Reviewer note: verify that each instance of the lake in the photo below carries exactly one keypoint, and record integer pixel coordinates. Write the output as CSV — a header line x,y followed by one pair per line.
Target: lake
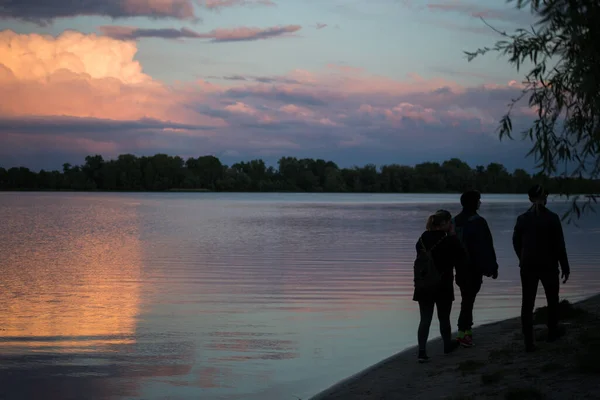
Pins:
x,y
227,296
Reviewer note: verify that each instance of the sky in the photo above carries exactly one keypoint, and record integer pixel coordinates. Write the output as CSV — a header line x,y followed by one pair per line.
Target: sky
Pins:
x,y
352,81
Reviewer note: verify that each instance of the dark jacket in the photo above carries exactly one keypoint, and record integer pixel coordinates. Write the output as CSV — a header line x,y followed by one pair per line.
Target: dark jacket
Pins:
x,y
539,242
480,248
447,256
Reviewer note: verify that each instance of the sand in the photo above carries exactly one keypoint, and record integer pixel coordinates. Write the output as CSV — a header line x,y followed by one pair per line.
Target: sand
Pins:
x,y
497,367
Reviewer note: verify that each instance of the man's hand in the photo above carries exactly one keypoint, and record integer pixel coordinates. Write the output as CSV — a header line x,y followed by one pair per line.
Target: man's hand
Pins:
x,y
565,276
495,276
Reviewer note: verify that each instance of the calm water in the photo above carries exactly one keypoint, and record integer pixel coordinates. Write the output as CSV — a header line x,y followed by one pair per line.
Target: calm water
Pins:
x,y
225,296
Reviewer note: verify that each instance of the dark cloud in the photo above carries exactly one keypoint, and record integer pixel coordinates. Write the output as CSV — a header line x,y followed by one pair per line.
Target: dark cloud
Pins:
x,y
511,15
65,125
41,142
239,34
232,78
44,12
260,79
279,94
443,90
464,74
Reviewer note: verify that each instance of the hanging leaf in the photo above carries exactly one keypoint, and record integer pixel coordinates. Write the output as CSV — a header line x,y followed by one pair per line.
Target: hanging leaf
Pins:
x,y
563,86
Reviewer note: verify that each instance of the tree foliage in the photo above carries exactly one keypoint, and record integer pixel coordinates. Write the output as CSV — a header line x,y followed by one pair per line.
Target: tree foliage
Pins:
x,y
563,86
162,172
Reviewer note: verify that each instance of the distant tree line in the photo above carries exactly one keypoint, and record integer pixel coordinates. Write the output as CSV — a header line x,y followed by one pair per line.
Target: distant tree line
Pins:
x,y
162,172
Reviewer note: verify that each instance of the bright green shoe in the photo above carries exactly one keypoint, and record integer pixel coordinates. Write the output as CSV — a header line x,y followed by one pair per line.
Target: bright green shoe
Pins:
x,y
464,338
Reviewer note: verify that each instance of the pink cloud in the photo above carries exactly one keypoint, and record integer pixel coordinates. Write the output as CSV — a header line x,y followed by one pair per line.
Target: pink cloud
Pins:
x,y
216,35
242,108
248,33
92,76
439,116
296,110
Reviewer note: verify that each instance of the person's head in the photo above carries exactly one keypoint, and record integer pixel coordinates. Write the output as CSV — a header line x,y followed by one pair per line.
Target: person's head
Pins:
x,y
440,221
538,195
470,200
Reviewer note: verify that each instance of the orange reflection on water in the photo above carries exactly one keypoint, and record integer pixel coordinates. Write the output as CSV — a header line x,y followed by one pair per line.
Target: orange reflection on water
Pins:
x,y
78,287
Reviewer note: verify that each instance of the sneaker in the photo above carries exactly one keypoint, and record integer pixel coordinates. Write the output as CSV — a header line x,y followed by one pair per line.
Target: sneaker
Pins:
x,y
465,341
450,347
422,357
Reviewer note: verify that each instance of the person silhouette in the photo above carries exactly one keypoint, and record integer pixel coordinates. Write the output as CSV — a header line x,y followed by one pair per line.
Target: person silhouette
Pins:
x,y
475,235
539,243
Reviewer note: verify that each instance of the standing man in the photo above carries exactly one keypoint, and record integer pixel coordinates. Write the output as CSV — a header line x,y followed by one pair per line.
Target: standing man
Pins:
x,y
539,243
474,233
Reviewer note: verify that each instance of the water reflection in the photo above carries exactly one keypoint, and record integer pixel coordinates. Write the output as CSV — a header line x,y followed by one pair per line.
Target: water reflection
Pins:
x,y
69,301
69,286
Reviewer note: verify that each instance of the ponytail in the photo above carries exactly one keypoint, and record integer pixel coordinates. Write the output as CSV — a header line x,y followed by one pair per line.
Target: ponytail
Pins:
x,y
430,222
437,219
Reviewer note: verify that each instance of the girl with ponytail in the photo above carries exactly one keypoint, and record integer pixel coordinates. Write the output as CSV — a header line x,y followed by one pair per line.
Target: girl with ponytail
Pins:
x,y
437,249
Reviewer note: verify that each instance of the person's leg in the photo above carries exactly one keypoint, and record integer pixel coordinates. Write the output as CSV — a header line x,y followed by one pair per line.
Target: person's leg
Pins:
x,y
529,285
475,288
444,308
551,284
465,304
468,294
426,310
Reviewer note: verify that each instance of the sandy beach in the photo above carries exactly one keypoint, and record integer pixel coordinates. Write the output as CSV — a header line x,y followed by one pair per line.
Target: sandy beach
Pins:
x,y
496,368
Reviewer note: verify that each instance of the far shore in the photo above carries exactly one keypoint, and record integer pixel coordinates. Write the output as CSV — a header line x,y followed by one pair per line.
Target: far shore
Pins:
x,y
198,190
176,190
496,368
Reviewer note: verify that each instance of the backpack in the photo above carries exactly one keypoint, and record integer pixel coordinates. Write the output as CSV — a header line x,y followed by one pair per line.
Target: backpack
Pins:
x,y
426,275
478,256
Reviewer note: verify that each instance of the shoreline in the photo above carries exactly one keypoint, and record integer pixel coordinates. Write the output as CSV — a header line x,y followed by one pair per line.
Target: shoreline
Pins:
x,y
498,349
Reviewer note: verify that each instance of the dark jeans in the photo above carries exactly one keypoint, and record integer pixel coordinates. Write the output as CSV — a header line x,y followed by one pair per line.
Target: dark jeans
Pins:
x,y
529,284
468,293
443,311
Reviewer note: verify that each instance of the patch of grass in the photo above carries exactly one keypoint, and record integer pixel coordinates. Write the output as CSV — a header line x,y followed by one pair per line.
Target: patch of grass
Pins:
x,y
470,366
491,378
566,311
551,367
529,393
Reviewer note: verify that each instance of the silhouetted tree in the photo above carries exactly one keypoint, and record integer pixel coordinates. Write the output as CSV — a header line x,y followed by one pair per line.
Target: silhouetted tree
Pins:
x,y
163,172
563,86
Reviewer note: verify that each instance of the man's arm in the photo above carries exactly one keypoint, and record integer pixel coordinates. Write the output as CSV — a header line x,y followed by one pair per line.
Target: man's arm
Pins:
x,y
459,258
488,241
560,246
517,237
